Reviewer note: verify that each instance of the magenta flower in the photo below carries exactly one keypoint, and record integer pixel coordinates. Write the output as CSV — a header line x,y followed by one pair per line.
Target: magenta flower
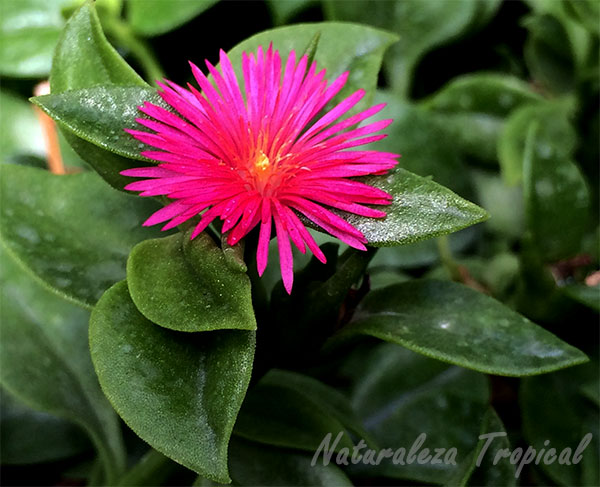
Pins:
x,y
262,154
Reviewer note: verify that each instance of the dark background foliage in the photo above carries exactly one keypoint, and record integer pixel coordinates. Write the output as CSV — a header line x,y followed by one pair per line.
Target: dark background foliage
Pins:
x,y
496,100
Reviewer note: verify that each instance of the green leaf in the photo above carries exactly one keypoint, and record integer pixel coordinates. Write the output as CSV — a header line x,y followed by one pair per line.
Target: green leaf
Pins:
x,y
101,114
548,53
20,132
471,110
29,30
455,324
45,362
179,392
556,137
72,232
83,58
421,209
587,12
564,424
277,415
492,93
155,17
187,285
28,436
421,26
255,464
327,398
292,410
342,47
399,395
503,202
479,468
556,197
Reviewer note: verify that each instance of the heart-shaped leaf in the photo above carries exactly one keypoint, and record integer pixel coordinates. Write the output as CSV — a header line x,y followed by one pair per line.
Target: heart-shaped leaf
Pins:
x,y
188,286
179,392
72,231
454,323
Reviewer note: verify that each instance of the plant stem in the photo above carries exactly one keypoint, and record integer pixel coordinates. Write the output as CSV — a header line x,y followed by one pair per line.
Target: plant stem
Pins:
x,y
447,259
124,36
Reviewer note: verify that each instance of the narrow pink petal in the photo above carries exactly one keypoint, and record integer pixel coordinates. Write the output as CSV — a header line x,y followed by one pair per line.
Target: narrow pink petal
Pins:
x,y
166,213
262,252
286,262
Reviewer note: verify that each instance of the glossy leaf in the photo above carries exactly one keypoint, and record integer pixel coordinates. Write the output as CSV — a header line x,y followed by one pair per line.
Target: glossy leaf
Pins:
x,y
556,197
564,425
29,30
400,395
29,436
101,114
556,138
45,362
77,245
256,464
155,17
179,392
421,209
187,285
455,324
83,58
342,47
421,26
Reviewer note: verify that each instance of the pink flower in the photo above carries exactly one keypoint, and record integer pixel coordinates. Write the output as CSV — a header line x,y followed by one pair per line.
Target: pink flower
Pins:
x,y
261,155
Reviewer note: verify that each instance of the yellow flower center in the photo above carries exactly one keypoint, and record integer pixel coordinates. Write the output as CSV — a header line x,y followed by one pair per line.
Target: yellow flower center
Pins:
x,y
262,163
